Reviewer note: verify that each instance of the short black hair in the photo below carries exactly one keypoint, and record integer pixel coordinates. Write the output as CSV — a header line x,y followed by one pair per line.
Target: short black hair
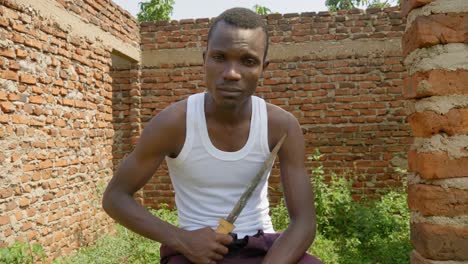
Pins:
x,y
243,18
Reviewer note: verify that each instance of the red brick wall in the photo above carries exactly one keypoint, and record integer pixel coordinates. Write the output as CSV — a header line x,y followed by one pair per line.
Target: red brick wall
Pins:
x,y
348,103
107,15
123,81
56,129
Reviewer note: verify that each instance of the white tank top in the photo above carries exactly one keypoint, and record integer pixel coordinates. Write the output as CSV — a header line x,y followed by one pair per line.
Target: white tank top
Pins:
x,y
208,182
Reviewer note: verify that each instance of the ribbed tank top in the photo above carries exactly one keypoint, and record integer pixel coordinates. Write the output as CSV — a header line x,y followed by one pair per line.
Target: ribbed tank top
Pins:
x,y
208,182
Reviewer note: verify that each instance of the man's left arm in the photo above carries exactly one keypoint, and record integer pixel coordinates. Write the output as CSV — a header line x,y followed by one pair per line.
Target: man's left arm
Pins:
x,y
299,198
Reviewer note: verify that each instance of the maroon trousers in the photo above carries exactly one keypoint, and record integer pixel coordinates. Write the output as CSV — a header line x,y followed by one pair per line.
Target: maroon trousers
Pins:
x,y
248,250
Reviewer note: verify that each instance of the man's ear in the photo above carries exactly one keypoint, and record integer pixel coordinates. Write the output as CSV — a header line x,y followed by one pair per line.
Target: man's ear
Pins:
x,y
265,65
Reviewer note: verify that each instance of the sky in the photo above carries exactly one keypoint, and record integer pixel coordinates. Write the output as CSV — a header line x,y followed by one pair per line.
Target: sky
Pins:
x,y
211,8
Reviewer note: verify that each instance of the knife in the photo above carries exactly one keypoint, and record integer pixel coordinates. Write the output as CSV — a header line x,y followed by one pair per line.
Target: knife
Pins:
x,y
227,225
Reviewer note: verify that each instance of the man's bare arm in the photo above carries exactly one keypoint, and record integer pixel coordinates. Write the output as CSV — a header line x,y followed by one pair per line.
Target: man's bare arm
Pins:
x,y
134,172
160,138
296,239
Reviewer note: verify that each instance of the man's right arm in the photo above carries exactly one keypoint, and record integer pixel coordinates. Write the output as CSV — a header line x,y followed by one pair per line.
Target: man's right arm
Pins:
x,y
135,171
163,136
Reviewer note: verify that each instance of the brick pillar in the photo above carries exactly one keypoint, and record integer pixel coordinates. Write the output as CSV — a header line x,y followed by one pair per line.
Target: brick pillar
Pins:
x,y
435,46
135,117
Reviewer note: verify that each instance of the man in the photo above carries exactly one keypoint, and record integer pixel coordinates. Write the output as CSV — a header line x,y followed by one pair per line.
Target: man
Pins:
x,y
214,144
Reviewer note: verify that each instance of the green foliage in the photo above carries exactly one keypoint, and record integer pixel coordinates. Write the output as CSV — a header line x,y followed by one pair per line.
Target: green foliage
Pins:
x,y
261,10
155,10
379,3
334,5
325,249
22,253
352,232
124,247
279,216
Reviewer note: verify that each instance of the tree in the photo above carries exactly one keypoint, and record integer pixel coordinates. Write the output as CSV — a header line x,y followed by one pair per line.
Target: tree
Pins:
x,y
155,10
261,10
379,3
334,5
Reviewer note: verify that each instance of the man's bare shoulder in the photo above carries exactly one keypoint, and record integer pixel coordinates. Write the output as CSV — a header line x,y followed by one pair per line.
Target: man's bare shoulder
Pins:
x,y
172,115
278,116
279,123
165,132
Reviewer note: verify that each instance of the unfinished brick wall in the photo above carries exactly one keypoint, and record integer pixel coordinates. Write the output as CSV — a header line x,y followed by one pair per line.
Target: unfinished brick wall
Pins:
x,y
125,111
436,48
106,15
56,123
339,73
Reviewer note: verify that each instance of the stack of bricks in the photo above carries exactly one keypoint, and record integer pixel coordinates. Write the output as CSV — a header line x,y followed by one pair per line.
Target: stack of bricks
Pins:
x,y
436,48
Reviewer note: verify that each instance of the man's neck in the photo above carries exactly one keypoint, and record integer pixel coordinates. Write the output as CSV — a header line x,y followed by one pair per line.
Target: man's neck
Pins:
x,y
228,115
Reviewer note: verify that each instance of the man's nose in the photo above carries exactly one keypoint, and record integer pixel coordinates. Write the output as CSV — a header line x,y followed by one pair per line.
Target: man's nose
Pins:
x,y
231,71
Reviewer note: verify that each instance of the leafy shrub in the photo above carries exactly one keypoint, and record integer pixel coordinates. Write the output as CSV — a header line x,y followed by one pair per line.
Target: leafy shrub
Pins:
x,y
22,253
124,247
279,216
348,231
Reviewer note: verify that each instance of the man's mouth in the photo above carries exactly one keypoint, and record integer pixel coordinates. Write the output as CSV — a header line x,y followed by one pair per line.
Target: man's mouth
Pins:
x,y
229,91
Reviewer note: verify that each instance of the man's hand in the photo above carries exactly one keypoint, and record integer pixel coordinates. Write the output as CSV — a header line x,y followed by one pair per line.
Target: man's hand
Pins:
x,y
203,246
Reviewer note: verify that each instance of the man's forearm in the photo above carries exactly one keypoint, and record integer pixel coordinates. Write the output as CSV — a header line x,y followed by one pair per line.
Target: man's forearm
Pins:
x,y
129,213
291,245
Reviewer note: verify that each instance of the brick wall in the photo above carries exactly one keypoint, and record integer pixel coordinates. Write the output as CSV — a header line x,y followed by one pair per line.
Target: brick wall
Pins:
x,y
339,73
106,15
436,46
124,124
56,122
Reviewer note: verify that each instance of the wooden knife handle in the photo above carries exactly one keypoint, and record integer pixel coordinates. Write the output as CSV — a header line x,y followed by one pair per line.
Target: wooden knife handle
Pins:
x,y
224,227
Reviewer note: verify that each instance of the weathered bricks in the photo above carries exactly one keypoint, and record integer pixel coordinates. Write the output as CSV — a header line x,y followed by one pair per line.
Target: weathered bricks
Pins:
x,y
440,242
9,75
436,82
436,29
428,123
27,78
437,165
408,5
432,200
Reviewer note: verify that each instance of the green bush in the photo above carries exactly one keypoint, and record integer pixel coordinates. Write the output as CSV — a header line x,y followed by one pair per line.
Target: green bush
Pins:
x,y
365,231
22,253
355,232
124,247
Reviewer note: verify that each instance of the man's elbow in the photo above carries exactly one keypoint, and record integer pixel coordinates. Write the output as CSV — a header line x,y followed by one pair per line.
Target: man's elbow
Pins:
x,y
108,201
308,225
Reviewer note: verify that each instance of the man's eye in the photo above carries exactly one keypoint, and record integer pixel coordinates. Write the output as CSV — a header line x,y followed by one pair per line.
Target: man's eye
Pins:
x,y
218,57
250,62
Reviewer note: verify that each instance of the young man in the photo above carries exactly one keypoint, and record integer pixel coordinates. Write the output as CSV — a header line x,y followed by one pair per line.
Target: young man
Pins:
x,y
214,144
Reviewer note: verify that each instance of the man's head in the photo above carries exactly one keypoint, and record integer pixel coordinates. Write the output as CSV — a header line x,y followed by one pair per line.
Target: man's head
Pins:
x,y
234,59
242,18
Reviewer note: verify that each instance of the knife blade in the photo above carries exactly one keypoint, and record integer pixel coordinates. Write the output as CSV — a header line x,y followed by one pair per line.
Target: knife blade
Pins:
x,y
227,225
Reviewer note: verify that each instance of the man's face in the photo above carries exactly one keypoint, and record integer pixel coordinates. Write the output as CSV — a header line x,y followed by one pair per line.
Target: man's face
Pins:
x,y
233,63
